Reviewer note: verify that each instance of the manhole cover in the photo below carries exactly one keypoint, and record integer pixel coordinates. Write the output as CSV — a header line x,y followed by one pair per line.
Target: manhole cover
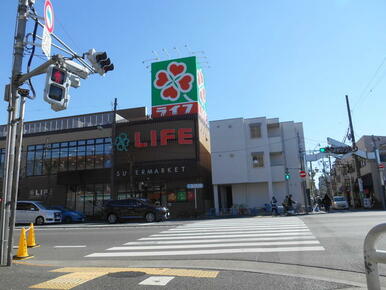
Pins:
x,y
126,274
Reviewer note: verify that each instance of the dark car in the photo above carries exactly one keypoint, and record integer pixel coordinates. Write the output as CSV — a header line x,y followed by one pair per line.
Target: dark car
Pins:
x,y
133,208
69,215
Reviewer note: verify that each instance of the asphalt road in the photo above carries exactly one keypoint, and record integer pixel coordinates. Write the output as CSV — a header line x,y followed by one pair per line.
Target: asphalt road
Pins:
x,y
324,251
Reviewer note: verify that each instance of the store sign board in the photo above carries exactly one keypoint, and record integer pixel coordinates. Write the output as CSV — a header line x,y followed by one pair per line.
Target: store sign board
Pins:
x,y
154,138
174,82
194,185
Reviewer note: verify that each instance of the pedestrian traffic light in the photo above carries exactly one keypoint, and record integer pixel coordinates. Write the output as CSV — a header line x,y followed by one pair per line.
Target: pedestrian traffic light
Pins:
x,y
287,176
100,62
56,89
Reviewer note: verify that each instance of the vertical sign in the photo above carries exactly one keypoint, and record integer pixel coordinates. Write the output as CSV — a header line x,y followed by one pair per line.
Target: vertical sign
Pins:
x,y
174,87
46,43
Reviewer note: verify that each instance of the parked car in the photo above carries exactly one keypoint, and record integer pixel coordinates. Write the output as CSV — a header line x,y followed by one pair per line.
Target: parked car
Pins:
x,y
35,212
134,208
339,202
69,215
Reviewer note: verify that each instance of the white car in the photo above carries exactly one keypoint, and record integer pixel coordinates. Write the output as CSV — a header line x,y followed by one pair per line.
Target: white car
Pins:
x,y
35,212
339,202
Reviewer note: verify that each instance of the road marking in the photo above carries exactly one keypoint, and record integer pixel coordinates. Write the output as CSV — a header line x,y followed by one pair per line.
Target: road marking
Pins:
x,y
215,245
205,252
157,280
68,281
231,228
80,275
150,271
278,230
75,246
300,236
221,236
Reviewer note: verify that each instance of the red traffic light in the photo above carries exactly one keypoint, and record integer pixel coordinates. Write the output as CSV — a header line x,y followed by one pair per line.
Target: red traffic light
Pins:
x,y
58,76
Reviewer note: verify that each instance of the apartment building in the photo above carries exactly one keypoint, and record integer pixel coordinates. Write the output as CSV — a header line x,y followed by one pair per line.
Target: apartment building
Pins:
x,y
250,158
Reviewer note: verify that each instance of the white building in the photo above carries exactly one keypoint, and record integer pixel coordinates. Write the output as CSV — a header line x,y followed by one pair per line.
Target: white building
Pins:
x,y
250,158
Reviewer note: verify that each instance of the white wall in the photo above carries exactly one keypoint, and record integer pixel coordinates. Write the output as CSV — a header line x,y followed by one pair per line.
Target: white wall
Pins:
x,y
250,194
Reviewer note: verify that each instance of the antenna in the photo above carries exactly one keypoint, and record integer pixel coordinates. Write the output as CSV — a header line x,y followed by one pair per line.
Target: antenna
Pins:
x,y
177,51
166,52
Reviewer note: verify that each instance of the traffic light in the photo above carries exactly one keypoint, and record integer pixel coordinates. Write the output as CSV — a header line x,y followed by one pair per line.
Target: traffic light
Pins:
x,y
336,150
287,176
56,89
100,62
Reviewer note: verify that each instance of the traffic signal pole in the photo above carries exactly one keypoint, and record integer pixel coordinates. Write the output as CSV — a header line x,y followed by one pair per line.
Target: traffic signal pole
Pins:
x,y
14,102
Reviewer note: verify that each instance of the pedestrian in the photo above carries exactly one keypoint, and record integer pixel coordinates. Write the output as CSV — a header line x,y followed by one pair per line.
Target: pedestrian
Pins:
x,y
291,204
327,202
318,203
274,206
285,203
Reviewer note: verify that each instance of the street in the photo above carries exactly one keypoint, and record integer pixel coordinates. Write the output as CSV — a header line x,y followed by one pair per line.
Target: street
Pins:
x,y
322,250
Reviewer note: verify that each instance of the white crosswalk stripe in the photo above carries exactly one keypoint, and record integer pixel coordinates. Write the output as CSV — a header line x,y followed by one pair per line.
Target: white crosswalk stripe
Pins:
x,y
246,235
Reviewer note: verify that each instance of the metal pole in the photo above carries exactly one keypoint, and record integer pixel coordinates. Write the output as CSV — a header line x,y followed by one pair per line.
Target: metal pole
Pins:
x,y
11,135
354,146
16,176
113,133
380,170
195,198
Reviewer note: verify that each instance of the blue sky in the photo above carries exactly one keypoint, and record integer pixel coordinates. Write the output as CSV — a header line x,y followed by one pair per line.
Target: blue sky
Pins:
x,y
292,59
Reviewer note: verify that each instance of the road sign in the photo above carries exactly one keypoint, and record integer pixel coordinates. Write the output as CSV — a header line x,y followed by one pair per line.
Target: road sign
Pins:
x,y
302,173
46,43
381,166
195,185
48,16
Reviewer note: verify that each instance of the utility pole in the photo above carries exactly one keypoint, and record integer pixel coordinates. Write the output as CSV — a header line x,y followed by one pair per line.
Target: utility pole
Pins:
x,y
302,167
354,146
10,174
113,133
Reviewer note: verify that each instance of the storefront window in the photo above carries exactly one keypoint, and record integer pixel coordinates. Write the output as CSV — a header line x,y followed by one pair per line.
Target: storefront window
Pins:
x,y
90,153
89,200
38,166
74,155
81,159
63,164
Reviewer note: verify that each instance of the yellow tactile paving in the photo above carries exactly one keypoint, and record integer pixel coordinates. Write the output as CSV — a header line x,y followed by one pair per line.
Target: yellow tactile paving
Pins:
x,y
149,271
80,275
68,281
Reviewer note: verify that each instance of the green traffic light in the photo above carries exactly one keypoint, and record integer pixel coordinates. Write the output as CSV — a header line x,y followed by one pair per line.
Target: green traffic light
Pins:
x,y
287,176
323,150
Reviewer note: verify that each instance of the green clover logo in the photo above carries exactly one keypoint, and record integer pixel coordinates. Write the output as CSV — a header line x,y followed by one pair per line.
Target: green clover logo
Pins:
x,y
122,142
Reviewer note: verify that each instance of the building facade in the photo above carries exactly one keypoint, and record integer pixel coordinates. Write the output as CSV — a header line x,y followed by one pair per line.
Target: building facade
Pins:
x,y
250,158
81,161
345,176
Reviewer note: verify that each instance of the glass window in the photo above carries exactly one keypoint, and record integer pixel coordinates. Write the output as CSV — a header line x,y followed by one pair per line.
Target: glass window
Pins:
x,y
72,143
72,158
39,147
47,161
81,161
55,161
55,145
63,164
81,142
90,156
91,141
99,140
64,144
30,163
38,166
258,159
99,149
255,130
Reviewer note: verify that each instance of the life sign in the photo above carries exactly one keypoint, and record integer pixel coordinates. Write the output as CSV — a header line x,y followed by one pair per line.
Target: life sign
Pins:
x,y
154,138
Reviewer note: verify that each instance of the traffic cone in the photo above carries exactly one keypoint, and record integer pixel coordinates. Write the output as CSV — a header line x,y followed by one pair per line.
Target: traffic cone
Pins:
x,y
31,243
22,252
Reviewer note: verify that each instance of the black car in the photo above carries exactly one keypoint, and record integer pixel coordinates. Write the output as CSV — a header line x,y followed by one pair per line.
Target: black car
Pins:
x,y
133,208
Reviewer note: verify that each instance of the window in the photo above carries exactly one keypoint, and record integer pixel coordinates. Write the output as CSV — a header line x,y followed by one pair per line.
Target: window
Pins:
x,y
255,130
257,159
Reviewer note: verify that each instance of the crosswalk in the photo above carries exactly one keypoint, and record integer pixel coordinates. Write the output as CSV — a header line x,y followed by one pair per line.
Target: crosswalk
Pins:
x,y
225,236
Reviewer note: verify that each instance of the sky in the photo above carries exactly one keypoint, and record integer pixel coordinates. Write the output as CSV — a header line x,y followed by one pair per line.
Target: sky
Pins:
x,y
291,59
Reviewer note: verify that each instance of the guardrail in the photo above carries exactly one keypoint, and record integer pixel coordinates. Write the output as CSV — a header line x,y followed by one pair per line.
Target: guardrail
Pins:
x,y
372,256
